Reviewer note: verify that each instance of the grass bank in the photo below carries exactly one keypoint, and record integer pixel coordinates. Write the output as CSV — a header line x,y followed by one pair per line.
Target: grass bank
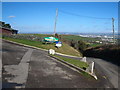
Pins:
x,y
65,49
77,63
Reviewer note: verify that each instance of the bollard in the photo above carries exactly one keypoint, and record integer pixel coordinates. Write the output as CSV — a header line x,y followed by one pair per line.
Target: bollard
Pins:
x,y
84,59
90,68
51,51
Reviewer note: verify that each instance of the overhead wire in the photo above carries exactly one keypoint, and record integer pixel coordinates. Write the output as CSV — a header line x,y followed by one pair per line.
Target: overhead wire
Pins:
x,y
82,15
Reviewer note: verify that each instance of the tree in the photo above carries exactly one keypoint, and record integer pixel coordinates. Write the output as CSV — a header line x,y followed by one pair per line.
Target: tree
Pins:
x,y
72,43
82,46
7,25
56,35
2,24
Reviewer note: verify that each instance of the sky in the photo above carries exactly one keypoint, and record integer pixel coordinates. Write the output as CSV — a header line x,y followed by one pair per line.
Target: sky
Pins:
x,y
81,17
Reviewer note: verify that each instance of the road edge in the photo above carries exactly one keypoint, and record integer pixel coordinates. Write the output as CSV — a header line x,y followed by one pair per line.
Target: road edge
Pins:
x,y
75,67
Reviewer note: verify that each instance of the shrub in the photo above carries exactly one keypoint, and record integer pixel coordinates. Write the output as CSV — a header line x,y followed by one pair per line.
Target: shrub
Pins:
x,y
79,45
82,46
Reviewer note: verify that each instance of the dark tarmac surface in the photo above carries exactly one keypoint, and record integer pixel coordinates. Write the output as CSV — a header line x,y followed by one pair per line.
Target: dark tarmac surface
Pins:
x,y
48,73
105,70
45,72
12,54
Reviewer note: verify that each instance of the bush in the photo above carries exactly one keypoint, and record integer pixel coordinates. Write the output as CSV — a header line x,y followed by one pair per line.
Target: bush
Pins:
x,y
72,43
79,45
82,46
58,36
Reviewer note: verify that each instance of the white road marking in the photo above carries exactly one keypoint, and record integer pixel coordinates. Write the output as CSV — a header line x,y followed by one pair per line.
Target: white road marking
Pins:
x,y
20,71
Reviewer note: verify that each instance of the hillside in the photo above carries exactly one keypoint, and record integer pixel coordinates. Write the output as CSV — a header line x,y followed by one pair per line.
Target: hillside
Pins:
x,y
71,40
65,49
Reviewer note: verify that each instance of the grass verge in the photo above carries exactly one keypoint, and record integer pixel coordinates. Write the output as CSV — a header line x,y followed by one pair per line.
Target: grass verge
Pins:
x,y
77,63
65,49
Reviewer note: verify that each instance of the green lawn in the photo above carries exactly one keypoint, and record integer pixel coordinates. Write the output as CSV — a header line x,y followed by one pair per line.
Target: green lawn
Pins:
x,y
75,37
65,49
77,63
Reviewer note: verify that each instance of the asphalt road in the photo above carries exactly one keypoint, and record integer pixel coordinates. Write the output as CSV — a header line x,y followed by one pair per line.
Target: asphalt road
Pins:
x,y
30,68
104,69
109,70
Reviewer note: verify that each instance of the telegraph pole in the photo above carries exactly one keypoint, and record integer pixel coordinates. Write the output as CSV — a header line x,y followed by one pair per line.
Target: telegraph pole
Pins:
x,y
55,20
113,30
